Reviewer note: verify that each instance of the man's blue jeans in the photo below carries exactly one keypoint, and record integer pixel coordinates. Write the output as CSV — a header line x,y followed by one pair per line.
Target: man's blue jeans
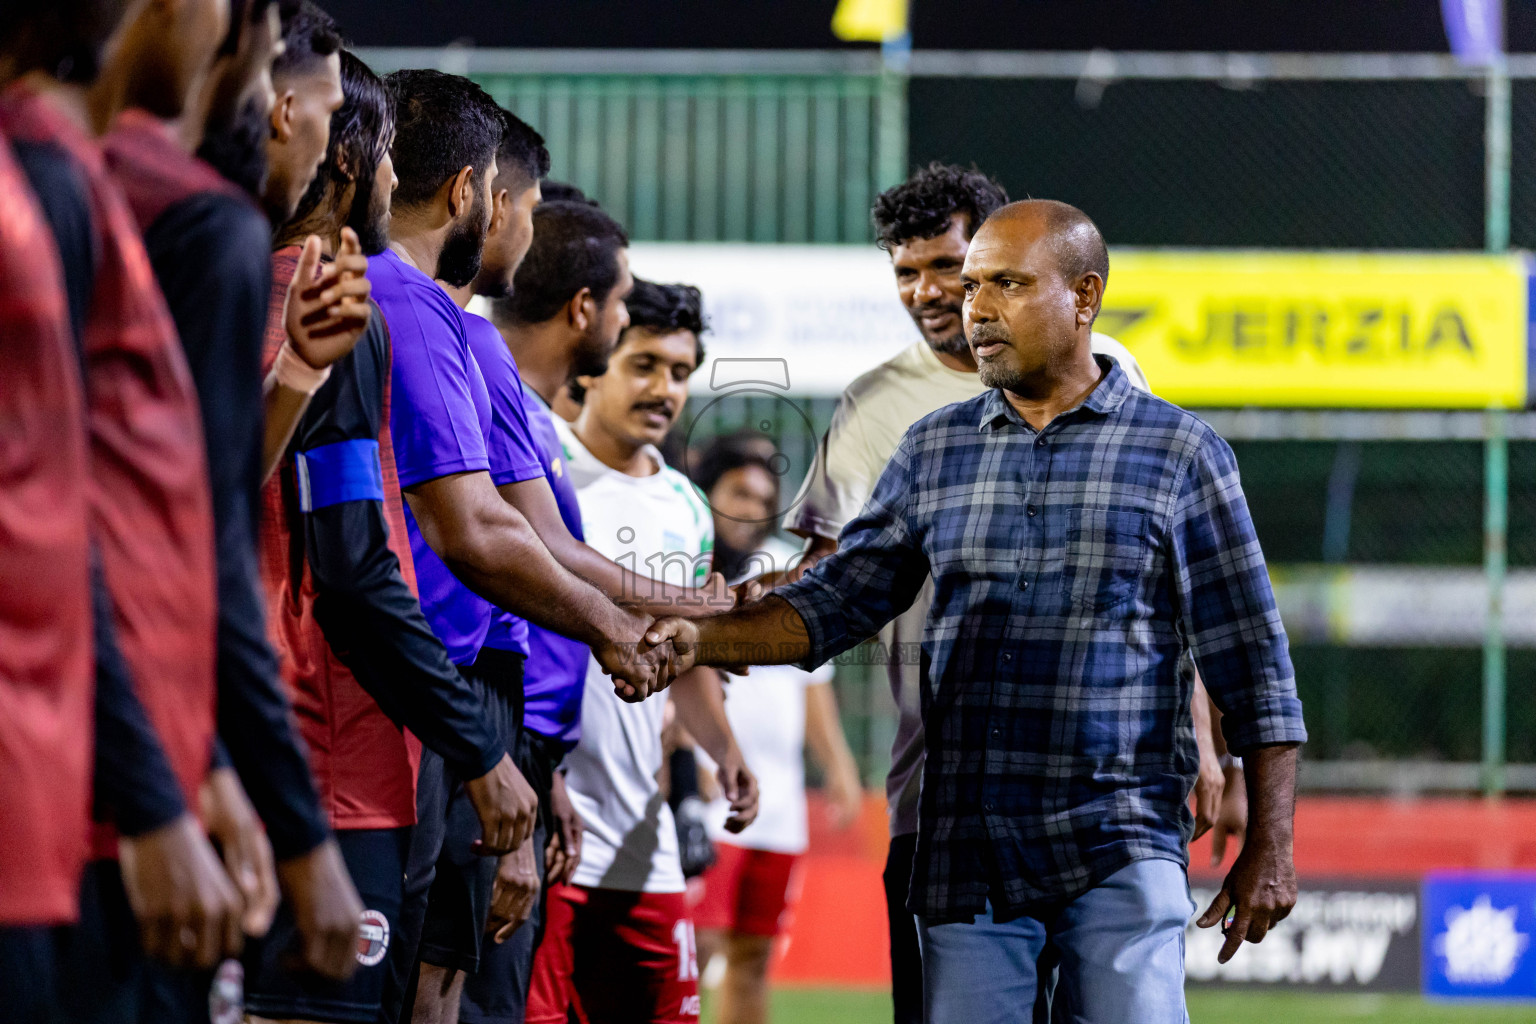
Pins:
x,y
1121,947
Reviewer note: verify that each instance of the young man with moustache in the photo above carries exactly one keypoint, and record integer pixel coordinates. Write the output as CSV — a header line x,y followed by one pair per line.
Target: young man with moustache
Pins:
x,y
358,654
926,224
150,523
619,944
471,549
777,712
208,242
1083,539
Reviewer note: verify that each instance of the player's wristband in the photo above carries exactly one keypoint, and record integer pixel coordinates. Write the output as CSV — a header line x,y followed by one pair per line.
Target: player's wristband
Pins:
x,y
295,374
1228,761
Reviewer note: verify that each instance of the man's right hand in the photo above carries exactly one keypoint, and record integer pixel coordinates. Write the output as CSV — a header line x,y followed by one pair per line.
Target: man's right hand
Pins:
x,y
515,892
639,668
327,309
506,805
680,637
231,822
326,909
187,908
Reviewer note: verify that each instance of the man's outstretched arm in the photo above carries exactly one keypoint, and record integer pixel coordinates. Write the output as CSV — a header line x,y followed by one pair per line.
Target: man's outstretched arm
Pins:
x,y
628,588
491,548
873,577
767,632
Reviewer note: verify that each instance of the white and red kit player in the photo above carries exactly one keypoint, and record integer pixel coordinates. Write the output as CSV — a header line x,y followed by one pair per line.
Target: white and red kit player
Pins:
x,y
618,943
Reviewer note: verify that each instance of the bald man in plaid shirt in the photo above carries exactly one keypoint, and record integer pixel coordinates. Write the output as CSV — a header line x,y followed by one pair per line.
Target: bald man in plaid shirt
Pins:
x,y
1082,536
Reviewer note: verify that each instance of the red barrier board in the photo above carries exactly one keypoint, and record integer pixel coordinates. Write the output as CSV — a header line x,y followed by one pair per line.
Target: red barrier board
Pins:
x,y
839,932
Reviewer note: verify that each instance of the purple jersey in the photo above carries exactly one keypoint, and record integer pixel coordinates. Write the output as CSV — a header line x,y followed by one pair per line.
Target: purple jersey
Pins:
x,y
556,673
513,455
439,418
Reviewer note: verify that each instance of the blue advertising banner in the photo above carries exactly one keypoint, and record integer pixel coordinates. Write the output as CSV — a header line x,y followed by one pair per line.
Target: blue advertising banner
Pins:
x,y
1477,935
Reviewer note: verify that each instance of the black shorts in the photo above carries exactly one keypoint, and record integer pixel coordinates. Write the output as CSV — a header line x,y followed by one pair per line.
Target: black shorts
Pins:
x,y
278,987
448,886
29,971
105,978
499,993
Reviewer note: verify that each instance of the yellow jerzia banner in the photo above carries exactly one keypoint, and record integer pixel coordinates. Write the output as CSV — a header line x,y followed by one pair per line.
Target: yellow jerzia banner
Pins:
x,y
1311,329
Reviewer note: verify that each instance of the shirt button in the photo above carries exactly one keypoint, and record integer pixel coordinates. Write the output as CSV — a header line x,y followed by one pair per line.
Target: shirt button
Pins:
x,y
1007,658
1031,509
996,732
1040,442
989,806
1023,584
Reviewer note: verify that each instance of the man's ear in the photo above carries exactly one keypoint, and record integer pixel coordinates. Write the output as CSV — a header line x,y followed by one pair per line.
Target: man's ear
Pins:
x,y
461,192
282,117
344,165
1089,297
501,212
581,310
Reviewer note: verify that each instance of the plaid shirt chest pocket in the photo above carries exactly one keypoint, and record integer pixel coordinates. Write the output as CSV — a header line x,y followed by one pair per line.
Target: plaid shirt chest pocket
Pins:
x,y
1108,551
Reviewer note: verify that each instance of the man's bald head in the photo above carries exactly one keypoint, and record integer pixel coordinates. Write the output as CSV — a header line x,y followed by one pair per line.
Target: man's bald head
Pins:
x,y
1034,284
1074,237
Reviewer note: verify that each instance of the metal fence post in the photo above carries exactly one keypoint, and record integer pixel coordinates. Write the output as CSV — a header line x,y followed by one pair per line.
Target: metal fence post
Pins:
x,y
1495,523
890,162
1496,454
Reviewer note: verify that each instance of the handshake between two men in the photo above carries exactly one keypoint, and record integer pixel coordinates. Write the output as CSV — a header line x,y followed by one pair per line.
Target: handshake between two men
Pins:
x,y
729,628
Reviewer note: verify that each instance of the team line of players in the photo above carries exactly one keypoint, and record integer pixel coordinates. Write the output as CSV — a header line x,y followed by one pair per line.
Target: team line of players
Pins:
x,y
325,596
295,561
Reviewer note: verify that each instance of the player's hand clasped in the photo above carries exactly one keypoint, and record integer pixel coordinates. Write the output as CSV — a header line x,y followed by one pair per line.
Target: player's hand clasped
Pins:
x,y
514,893
232,823
328,309
639,668
506,806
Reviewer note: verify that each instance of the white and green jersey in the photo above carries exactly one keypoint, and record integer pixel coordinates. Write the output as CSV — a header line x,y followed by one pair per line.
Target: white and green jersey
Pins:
x,y
660,527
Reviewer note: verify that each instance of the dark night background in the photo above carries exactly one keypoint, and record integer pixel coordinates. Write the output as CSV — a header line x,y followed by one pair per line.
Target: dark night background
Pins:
x,y
1261,25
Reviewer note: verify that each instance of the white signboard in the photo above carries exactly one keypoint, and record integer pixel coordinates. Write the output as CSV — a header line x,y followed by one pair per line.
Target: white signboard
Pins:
x,y
829,311
1400,605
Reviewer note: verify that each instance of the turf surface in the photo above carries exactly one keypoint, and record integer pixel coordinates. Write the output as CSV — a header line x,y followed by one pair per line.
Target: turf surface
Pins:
x,y
842,1006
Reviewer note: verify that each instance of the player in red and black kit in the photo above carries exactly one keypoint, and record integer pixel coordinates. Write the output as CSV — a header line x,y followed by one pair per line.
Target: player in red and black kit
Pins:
x,y
45,606
151,525
208,244
363,663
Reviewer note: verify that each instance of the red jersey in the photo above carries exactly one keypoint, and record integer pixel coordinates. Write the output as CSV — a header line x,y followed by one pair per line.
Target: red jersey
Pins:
x,y
364,764
45,605
150,510
154,173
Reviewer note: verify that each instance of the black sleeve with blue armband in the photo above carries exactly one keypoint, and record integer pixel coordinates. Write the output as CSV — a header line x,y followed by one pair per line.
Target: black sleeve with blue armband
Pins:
x,y
370,617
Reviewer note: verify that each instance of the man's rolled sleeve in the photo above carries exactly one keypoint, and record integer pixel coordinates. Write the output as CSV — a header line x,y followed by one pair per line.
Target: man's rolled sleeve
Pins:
x,y
1228,606
874,575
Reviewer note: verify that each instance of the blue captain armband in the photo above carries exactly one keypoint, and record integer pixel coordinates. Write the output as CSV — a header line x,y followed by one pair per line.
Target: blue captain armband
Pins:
x,y
336,473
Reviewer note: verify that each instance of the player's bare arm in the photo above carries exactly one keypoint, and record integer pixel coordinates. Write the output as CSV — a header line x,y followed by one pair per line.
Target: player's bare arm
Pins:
x,y
627,588
491,547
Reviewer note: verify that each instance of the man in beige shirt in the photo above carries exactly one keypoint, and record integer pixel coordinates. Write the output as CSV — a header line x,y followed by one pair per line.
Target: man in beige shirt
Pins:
x,y
926,224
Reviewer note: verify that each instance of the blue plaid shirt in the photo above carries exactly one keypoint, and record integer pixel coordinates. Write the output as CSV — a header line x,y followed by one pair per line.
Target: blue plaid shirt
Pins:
x,y
1072,567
